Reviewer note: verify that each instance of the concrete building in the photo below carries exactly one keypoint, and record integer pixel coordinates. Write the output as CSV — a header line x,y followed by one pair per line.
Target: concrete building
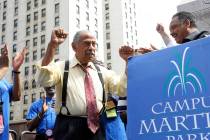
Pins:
x,y
201,9
120,28
28,23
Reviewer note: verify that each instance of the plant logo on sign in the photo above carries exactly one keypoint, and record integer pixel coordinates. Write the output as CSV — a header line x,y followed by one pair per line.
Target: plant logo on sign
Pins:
x,y
182,79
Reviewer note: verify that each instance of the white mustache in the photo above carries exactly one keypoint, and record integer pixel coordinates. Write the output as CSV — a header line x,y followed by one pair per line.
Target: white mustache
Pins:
x,y
90,53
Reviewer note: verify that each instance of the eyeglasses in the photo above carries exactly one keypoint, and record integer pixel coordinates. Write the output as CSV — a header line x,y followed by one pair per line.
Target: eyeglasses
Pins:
x,y
88,43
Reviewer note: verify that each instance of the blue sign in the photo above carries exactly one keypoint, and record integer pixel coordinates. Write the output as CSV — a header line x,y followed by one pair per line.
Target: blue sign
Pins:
x,y
169,93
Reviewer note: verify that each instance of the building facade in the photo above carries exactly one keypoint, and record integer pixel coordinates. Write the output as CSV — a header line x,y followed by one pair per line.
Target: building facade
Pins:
x,y
120,28
201,9
29,23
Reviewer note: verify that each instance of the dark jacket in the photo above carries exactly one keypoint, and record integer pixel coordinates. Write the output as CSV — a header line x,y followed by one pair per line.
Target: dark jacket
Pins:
x,y
196,35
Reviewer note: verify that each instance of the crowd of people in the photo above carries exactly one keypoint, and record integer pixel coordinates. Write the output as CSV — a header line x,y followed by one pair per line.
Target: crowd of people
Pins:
x,y
81,86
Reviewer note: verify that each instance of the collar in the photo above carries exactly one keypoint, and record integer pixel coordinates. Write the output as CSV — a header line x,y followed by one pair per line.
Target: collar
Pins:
x,y
75,62
191,36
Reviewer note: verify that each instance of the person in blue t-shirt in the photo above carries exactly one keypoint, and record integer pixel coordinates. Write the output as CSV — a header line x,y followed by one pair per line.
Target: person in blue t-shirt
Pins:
x,y
41,115
8,92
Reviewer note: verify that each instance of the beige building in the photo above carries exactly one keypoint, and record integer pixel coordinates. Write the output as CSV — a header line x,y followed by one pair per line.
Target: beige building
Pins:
x,y
120,28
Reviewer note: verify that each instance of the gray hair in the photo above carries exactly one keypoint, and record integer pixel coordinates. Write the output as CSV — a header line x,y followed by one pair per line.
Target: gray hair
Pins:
x,y
78,34
183,15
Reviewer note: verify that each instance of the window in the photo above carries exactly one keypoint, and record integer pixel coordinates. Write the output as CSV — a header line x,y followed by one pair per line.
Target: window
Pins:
x,y
41,94
57,8
57,51
28,18
42,52
24,113
107,16
77,9
107,35
108,56
33,97
95,10
35,41
25,99
43,2
26,71
11,115
14,48
96,34
28,5
34,69
25,86
96,22
2,39
16,2
35,15
106,6
4,15
44,12
33,83
108,46
43,26
57,21
5,4
27,57
27,43
87,27
107,26
3,28
35,3
77,23
15,35
15,23
27,31
16,11
87,16
43,39
35,55
109,66
87,3
35,28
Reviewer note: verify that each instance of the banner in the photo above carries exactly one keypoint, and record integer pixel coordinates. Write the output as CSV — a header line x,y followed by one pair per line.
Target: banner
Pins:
x,y
169,93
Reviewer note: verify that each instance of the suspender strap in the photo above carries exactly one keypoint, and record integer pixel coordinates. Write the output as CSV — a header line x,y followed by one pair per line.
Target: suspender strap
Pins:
x,y
102,82
64,89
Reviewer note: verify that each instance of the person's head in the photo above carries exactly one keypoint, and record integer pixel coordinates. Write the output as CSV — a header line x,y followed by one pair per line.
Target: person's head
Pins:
x,y
84,45
50,91
182,24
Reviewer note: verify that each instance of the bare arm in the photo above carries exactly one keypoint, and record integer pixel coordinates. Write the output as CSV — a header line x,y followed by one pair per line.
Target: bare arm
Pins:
x,y
58,36
4,62
34,123
17,62
166,38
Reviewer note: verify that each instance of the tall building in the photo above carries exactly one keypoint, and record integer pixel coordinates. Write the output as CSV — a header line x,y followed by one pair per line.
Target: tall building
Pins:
x,y
201,9
29,23
120,28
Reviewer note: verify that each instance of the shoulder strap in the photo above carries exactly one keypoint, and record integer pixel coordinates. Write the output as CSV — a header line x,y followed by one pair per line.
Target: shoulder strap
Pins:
x,y
64,89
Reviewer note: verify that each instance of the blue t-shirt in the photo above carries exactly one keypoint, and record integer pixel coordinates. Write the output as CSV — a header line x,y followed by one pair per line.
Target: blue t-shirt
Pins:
x,y
48,120
5,97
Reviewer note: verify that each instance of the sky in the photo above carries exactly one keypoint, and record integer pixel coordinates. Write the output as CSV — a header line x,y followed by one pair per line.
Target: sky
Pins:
x,y
151,12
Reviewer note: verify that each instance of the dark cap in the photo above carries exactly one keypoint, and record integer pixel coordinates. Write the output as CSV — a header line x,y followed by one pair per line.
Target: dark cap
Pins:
x,y
50,89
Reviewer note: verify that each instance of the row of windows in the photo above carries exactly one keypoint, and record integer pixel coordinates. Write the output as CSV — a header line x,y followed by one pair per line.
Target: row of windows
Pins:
x,y
78,10
35,15
26,85
35,4
35,28
26,101
26,73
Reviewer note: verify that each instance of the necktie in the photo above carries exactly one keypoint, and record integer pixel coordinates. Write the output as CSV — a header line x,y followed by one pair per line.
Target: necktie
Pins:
x,y
92,119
